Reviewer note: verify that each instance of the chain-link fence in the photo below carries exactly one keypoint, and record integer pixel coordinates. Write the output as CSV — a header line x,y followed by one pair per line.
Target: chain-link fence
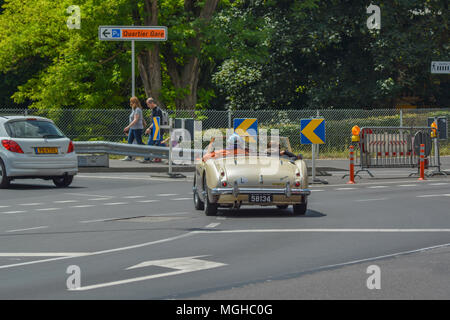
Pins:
x,y
108,124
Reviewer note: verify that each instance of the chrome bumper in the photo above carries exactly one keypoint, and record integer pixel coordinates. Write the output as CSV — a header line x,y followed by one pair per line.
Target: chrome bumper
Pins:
x,y
235,191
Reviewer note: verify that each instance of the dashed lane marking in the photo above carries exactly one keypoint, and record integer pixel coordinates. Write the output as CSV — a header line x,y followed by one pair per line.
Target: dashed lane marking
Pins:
x,y
212,225
31,204
48,209
364,200
27,229
83,206
66,201
91,221
115,203
433,195
12,212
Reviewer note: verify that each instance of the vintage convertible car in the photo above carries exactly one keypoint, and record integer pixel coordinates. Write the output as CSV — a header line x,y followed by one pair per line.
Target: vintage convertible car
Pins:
x,y
233,177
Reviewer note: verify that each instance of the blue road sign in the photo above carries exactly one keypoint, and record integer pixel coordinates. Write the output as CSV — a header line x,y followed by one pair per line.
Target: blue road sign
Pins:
x,y
312,131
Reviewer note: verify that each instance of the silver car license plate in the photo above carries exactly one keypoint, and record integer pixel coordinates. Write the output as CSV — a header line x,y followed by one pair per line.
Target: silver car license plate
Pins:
x,y
260,197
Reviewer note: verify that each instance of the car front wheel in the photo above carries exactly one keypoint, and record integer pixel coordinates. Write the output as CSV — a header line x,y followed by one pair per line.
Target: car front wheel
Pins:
x,y
63,182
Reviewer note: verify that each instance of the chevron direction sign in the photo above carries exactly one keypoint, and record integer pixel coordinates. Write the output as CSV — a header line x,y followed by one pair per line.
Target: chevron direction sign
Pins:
x,y
312,131
247,128
156,128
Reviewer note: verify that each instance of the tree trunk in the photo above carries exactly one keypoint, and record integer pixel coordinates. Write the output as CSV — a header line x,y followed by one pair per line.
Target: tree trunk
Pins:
x,y
184,77
149,63
149,66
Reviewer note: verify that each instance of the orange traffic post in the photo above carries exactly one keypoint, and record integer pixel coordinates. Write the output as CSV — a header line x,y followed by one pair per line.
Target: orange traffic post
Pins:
x,y
352,166
422,162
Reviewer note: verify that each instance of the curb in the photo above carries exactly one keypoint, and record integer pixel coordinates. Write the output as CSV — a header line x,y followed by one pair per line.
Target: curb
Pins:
x,y
165,169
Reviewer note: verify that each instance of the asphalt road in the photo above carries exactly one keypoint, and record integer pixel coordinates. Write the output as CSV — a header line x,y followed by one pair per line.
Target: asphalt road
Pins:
x,y
135,237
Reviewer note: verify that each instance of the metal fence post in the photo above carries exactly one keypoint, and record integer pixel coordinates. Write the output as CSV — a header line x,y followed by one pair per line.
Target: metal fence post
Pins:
x,y
229,119
401,117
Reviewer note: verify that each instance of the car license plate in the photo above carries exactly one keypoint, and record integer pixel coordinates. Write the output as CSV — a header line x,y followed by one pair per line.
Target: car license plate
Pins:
x,y
46,150
260,197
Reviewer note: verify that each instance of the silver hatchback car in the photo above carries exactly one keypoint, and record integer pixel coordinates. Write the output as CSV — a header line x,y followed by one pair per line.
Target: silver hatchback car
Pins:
x,y
33,147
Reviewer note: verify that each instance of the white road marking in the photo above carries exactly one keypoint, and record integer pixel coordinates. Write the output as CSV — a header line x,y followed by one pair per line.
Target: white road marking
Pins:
x,y
147,201
27,229
377,187
221,218
89,195
166,194
31,204
343,189
42,254
89,221
316,190
212,225
99,199
65,257
438,184
134,197
363,200
65,201
4,206
327,230
12,212
48,209
84,206
434,195
131,178
181,265
181,199
407,185
381,257
115,203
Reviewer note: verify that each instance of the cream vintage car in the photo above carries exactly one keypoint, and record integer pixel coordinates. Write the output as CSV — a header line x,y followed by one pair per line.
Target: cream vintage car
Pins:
x,y
233,177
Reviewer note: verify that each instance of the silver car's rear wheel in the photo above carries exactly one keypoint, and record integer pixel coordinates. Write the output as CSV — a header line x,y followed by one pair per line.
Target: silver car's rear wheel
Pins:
x,y
4,180
198,204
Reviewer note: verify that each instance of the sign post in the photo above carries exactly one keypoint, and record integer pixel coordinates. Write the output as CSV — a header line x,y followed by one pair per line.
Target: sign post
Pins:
x,y
132,33
312,131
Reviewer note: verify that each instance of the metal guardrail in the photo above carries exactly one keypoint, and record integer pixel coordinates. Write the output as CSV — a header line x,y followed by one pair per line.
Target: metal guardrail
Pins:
x,y
134,150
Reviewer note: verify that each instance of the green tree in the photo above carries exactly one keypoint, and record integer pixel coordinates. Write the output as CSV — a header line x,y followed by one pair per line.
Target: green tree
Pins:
x,y
321,54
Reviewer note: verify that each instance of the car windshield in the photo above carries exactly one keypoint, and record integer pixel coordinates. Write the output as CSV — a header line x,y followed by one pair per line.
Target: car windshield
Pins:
x,y
280,144
33,129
